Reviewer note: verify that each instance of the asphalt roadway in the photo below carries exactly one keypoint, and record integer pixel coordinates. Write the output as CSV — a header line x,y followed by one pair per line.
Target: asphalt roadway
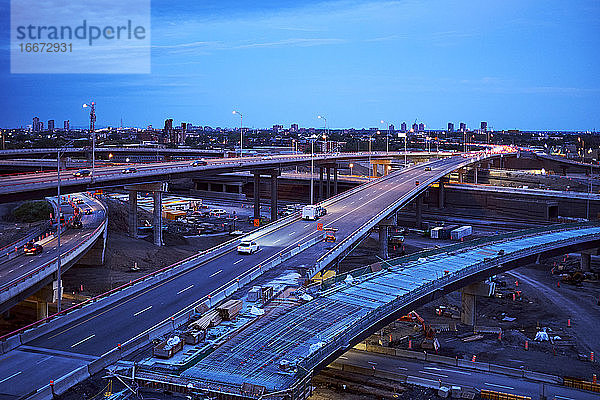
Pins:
x,y
430,373
21,265
57,352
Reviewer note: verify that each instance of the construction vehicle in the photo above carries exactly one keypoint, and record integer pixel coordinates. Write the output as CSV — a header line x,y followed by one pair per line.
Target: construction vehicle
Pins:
x,y
330,234
430,342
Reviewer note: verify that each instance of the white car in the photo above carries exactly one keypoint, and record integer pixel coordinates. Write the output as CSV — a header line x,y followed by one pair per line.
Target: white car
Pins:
x,y
247,247
218,213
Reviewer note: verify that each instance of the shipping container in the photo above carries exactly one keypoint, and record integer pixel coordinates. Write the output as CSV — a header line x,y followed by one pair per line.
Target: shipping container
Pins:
x,y
461,232
435,232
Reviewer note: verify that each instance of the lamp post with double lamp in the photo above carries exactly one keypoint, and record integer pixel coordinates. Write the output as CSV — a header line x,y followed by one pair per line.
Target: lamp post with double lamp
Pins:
x,y
58,260
241,131
351,166
312,167
326,131
92,107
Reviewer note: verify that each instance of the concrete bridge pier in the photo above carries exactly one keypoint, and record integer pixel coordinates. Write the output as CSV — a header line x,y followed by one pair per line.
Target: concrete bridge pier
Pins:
x,y
586,261
43,298
468,297
328,182
256,194
133,216
95,255
157,220
419,212
335,180
384,231
475,173
441,193
274,174
156,189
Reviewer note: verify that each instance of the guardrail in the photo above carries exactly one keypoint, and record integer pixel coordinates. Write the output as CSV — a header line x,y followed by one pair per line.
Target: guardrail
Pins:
x,y
344,244
14,249
342,340
183,167
194,260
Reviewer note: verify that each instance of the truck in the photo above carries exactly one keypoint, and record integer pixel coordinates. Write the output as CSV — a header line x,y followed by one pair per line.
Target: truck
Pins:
x,y
312,212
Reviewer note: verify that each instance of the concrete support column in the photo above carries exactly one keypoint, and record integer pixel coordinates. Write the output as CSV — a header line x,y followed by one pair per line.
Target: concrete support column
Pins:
x,y
475,173
460,176
383,241
335,181
208,186
468,308
274,195
320,183
257,195
157,223
42,309
328,182
133,217
441,193
419,212
375,170
586,262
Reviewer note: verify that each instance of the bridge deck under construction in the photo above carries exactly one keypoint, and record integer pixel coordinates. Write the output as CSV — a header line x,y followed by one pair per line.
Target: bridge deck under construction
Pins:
x,y
306,334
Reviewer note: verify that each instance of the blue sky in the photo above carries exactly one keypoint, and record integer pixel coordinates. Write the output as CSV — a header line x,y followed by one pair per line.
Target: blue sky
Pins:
x,y
524,64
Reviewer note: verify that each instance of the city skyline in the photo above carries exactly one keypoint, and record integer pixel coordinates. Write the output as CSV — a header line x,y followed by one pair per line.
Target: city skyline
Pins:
x,y
356,62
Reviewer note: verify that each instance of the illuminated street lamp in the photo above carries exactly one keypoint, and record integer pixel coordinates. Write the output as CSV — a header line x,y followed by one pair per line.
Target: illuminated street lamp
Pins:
x,y
387,138
241,126
92,107
312,167
326,131
351,166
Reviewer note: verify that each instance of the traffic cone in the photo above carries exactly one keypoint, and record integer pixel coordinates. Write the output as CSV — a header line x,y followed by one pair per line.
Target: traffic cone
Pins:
x,y
527,345
569,323
499,335
557,283
517,283
473,358
409,344
594,379
592,356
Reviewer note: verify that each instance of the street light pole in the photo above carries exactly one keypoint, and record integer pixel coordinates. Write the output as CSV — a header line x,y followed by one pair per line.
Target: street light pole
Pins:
x,y
92,107
241,129
326,132
312,168
59,285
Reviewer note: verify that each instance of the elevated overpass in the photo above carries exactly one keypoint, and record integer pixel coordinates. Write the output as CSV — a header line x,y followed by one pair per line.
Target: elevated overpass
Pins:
x,y
91,334
23,276
352,306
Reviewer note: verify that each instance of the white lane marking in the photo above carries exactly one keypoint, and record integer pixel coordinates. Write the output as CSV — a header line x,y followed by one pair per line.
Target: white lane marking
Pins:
x,y
12,376
447,370
499,386
431,373
187,288
293,233
22,265
277,241
372,363
141,311
306,226
30,261
351,203
10,271
216,273
557,396
238,261
83,340
343,357
43,359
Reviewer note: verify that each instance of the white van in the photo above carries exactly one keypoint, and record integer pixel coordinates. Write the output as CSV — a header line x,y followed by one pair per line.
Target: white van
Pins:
x,y
312,212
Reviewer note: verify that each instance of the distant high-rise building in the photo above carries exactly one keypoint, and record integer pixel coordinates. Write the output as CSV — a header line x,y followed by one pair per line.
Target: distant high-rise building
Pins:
x,y
483,126
403,127
168,125
462,127
41,124
36,125
391,128
67,125
450,127
277,128
421,127
294,128
51,125
415,127
184,126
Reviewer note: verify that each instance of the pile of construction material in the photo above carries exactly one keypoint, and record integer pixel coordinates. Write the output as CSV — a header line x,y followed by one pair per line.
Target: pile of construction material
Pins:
x,y
230,309
168,347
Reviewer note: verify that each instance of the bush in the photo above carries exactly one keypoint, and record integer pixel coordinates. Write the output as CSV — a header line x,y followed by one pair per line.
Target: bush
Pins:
x,y
33,211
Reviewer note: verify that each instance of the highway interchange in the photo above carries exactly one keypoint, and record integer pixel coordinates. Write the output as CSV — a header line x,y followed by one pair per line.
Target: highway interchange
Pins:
x,y
105,329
